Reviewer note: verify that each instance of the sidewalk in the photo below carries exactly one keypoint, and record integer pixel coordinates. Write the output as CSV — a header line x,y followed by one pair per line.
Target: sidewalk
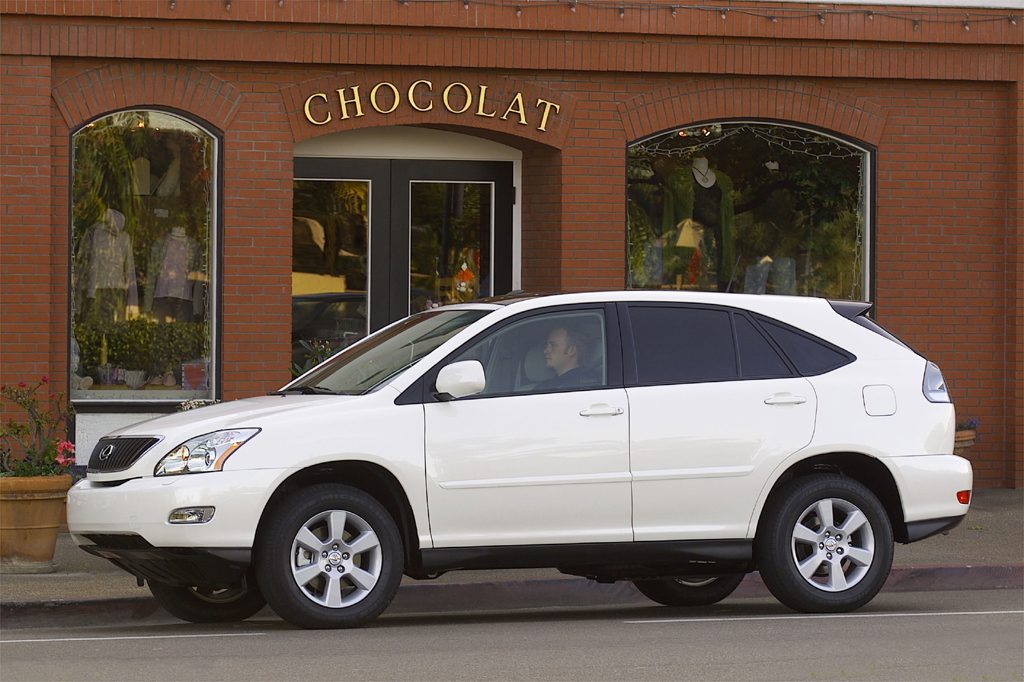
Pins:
x,y
986,551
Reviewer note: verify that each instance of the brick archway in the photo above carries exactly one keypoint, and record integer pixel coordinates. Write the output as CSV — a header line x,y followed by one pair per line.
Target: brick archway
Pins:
x,y
126,86
774,99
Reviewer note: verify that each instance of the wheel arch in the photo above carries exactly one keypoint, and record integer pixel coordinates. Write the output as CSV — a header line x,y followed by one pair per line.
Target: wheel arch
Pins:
x,y
368,477
867,470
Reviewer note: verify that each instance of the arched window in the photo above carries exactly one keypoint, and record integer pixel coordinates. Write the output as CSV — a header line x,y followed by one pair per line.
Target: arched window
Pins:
x,y
142,272
748,207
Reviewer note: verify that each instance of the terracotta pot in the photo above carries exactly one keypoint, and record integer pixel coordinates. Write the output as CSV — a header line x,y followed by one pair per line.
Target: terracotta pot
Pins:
x,y
963,439
31,509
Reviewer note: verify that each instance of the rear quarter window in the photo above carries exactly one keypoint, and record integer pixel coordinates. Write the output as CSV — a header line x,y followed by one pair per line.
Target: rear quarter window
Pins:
x,y
809,354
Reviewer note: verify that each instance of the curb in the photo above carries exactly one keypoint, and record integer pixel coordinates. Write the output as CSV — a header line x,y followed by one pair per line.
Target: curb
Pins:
x,y
420,599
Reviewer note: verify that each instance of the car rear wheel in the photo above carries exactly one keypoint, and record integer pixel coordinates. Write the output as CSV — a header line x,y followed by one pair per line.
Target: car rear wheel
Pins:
x,y
690,591
824,544
207,604
330,557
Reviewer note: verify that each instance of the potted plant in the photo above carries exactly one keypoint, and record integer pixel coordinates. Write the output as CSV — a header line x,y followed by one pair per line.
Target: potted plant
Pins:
x,y
965,436
34,477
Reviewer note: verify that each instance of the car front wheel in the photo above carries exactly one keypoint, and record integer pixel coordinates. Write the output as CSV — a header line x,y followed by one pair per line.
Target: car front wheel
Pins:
x,y
330,557
825,544
690,591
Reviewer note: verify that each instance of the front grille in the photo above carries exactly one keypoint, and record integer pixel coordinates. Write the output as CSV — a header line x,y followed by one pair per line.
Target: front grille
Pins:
x,y
115,454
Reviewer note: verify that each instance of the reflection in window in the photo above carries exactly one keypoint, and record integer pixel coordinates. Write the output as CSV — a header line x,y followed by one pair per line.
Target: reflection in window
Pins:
x,y
142,237
329,268
450,243
745,207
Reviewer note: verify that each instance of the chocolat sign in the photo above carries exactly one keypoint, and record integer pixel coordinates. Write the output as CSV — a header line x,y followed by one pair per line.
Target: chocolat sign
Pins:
x,y
422,95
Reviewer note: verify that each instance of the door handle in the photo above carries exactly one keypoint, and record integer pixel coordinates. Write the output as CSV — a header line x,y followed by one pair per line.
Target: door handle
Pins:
x,y
785,399
601,410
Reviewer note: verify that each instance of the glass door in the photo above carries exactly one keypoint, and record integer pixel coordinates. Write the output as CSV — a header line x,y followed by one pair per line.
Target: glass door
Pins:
x,y
451,232
374,240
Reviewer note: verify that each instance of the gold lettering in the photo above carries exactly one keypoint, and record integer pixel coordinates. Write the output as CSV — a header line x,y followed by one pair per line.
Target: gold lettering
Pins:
x,y
373,97
480,107
469,97
548,106
346,102
309,116
517,100
412,95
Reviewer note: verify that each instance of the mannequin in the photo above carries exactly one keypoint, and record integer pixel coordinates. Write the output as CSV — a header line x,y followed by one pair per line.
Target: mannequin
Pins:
x,y
105,285
707,210
173,261
170,184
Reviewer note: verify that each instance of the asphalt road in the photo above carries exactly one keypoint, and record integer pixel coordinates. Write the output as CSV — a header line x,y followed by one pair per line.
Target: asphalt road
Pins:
x,y
938,635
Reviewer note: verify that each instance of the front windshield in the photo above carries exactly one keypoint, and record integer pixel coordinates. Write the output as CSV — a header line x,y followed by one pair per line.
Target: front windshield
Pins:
x,y
381,356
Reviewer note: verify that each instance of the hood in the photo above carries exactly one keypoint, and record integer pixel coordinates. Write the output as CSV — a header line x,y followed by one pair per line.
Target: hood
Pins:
x,y
232,414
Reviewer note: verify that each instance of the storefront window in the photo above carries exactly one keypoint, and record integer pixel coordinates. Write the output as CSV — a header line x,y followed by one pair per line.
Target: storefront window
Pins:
x,y
142,241
748,207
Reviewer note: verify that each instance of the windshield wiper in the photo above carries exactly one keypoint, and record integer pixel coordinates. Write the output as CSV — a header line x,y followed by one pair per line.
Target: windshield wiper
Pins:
x,y
307,390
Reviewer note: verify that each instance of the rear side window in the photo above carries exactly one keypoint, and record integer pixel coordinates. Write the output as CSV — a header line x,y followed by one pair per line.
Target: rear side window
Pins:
x,y
682,345
810,355
758,359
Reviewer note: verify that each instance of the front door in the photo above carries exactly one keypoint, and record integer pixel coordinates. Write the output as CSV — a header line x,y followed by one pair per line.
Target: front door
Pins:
x,y
541,456
376,239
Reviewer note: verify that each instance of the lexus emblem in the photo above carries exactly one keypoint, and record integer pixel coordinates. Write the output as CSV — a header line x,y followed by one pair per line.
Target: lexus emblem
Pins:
x,y
106,452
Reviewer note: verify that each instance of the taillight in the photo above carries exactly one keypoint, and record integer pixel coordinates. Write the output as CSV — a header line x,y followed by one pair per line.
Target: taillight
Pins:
x,y
964,497
934,386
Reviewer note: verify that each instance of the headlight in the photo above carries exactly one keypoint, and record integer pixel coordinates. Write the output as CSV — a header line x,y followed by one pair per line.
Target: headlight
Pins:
x,y
203,453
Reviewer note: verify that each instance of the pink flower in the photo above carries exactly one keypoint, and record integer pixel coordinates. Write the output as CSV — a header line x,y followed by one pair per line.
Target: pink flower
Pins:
x,y
45,380
65,453
22,384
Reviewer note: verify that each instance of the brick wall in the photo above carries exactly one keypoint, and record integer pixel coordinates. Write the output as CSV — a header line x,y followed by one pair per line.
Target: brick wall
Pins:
x,y
943,106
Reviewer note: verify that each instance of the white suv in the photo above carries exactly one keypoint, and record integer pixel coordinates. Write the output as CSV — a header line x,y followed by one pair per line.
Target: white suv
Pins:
x,y
676,440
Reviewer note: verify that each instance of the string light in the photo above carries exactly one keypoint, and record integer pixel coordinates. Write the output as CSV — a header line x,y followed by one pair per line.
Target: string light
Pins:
x,y
173,5
773,15
227,5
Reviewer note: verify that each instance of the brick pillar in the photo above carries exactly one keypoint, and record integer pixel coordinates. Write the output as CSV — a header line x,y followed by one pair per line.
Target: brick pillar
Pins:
x,y
1015,305
25,222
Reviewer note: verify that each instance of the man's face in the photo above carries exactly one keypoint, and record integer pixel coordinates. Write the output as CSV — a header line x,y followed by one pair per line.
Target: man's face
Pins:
x,y
559,354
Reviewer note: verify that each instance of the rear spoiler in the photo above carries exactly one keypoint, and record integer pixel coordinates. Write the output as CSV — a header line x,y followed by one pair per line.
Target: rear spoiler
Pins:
x,y
857,311
851,309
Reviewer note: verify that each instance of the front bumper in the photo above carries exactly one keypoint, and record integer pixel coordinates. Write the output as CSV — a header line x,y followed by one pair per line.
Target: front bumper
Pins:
x,y
181,566
141,507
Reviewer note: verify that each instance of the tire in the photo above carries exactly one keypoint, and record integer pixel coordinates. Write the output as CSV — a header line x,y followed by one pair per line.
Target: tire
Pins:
x,y
329,557
817,564
690,591
201,605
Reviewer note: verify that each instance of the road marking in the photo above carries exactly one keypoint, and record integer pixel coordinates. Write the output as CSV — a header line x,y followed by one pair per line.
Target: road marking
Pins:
x,y
108,639
823,616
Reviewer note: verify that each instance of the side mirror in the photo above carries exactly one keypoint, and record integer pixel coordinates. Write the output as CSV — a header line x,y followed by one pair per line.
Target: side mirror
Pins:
x,y
459,380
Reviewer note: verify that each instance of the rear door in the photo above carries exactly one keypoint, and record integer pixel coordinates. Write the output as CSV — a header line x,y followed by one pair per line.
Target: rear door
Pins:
x,y
713,408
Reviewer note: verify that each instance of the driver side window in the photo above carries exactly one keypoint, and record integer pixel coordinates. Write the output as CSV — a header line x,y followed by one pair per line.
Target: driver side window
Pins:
x,y
553,352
